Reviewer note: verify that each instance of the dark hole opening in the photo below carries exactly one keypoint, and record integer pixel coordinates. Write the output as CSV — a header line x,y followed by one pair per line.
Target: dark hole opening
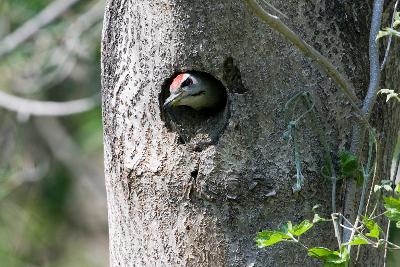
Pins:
x,y
203,126
194,173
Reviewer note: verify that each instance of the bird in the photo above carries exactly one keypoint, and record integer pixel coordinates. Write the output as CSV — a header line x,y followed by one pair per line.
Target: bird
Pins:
x,y
199,91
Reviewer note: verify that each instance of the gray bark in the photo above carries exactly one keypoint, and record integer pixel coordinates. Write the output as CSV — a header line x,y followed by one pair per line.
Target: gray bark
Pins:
x,y
193,191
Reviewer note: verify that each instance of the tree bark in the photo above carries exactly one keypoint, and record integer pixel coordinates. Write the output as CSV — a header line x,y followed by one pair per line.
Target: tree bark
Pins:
x,y
194,190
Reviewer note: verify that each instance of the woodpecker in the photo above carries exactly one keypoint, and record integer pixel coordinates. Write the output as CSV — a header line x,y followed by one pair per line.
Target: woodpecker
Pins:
x,y
196,90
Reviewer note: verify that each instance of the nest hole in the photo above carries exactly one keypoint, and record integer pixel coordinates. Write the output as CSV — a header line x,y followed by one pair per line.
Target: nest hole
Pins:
x,y
200,128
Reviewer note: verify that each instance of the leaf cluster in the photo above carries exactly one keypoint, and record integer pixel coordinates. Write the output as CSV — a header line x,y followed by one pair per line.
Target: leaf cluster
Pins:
x,y
391,31
350,167
292,233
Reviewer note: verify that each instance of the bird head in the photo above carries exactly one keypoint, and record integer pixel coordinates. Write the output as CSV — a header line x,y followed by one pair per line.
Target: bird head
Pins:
x,y
194,90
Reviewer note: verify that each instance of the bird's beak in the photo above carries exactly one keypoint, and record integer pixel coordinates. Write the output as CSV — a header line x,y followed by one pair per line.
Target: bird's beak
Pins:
x,y
174,99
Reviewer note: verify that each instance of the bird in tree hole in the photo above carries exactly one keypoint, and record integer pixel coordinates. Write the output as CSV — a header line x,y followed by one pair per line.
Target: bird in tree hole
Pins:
x,y
199,91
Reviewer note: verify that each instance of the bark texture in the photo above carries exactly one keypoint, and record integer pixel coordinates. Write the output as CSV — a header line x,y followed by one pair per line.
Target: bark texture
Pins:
x,y
192,190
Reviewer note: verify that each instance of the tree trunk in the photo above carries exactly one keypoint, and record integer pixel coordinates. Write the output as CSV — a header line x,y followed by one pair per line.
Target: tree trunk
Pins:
x,y
193,190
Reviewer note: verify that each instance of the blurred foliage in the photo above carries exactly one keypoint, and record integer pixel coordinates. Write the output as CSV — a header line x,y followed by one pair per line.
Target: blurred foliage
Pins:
x,y
51,213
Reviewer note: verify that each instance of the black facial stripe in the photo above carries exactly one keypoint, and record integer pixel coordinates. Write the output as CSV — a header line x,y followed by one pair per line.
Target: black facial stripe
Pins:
x,y
187,82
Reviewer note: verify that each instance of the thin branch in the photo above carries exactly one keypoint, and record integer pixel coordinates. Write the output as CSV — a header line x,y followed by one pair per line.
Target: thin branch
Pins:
x,y
374,68
47,108
377,216
367,173
275,9
395,172
354,228
386,244
390,36
63,57
336,228
346,227
275,23
32,26
369,101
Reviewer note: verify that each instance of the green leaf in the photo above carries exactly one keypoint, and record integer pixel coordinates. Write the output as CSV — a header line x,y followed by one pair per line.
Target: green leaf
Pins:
x,y
300,229
397,224
321,252
396,20
382,34
349,167
392,206
286,228
358,240
388,188
269,238
359,176
318,219
377,188
329,257
326,171
387,185
391,202
389,94
393,214
372,226
329,264
397,189
348,163
316,207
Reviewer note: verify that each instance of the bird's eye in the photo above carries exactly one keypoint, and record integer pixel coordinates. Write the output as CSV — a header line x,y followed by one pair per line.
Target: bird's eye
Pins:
x,y
187,82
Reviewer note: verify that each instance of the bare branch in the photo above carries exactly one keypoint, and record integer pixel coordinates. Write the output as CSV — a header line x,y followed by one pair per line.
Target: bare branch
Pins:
x,y
63,58
275,23
47,108
374,68
275,9
395,173
369,101
32,26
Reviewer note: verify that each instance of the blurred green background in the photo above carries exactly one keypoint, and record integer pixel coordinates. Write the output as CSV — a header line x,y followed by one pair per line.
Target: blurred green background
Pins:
x,y
52,195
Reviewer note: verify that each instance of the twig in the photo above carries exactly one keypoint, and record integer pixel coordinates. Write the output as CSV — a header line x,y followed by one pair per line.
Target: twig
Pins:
x,y
336,228
395,172
64,57
390,37
367,174
346,227
373,59
353,228
275,9
47,108
377,216
369,101
32,26
291,134
72,38
377,156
